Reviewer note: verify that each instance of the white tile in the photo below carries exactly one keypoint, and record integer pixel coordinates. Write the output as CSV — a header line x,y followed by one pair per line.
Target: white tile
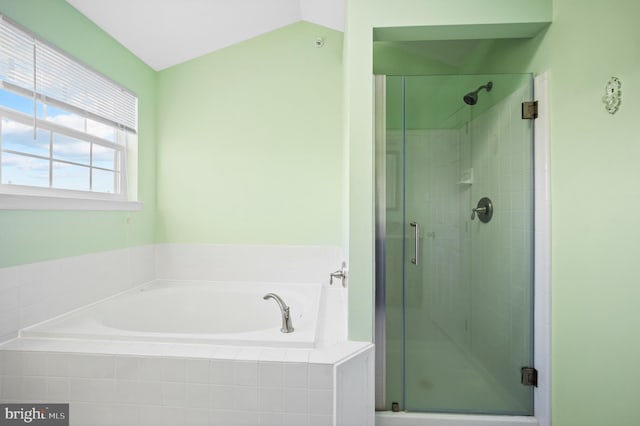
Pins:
x,y
297,400
127,368
222,372
293,419
82,413
297,355
142,349
173,394
31,293
12,364
128,391
174,369
126,415
58,389
34,389
92,366
80,390
271,399
248,354
222,397
197,371
198,395
245,373
57,364
271,374
296,375
33,314
103,390
320,376
150,393
151,368
245,398
243,418
321,402
79,347
9,299
11,388
196,417
165,416
9,278
222,418
271,419
227,352
192,351
316,420
142,260
304,264
9,323
274,355
103,414
328,355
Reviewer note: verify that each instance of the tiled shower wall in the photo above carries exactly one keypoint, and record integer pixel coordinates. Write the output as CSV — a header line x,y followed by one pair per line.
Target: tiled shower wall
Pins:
x,y
502,250
436,160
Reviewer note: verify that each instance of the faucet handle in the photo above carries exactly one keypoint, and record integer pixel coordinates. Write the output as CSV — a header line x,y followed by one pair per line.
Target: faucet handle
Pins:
x,y
340,273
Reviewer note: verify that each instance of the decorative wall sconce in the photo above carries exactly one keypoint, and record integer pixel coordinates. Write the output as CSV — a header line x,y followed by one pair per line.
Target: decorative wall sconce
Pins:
x,y
613,95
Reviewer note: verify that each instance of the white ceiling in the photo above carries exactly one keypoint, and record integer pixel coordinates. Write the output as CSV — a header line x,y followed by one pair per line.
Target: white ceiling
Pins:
x,y
163,33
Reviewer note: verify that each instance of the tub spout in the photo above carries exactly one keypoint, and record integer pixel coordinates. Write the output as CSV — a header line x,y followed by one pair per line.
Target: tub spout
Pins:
x,y
287,327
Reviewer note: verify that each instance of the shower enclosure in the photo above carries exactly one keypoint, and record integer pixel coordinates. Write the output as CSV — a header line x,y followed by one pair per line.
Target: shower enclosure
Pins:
x,y
454,244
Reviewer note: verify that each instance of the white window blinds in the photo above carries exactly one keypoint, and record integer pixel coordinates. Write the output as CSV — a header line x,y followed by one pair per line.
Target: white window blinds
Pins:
x,y
29,64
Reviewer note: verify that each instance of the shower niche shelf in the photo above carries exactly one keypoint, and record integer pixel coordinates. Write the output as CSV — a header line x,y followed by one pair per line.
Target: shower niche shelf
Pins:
x,y
466,177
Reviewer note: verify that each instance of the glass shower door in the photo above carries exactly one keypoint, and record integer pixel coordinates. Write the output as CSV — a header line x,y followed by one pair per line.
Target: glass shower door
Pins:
x,y
467,283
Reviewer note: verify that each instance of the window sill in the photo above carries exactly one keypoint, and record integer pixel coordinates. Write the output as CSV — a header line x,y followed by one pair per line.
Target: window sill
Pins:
x,y
38,202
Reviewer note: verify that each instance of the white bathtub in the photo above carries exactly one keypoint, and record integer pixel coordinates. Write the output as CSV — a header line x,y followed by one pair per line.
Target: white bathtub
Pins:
x,y
229,313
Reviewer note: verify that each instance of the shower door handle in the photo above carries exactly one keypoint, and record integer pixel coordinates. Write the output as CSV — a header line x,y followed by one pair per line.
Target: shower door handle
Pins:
x,y
416,233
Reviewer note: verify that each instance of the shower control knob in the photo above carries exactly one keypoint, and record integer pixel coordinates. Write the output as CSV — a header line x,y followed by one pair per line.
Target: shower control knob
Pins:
x,y
484,210
477,210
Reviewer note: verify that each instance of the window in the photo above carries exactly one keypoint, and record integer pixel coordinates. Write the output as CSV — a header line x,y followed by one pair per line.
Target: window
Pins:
x,y
64,128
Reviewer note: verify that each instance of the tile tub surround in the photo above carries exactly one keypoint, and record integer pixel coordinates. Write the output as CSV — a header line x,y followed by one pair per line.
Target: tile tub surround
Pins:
x,y
38,291
134,383
266,263
228,262
241,386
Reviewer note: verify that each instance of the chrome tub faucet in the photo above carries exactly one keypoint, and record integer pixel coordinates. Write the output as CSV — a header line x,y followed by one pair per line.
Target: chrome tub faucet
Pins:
x,y
287,327
341,274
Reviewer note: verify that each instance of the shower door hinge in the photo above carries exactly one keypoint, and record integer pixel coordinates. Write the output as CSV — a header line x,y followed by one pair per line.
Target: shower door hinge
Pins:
x,y
530,110
529,376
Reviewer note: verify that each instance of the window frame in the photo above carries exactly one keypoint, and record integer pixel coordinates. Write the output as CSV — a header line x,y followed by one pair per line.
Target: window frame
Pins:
x,y
27,197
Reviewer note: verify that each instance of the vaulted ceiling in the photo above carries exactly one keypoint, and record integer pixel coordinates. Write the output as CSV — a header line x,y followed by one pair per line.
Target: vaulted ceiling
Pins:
x,y
164,33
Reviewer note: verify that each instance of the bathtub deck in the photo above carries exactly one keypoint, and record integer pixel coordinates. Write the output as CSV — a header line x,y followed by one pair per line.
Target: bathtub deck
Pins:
x,y
326,355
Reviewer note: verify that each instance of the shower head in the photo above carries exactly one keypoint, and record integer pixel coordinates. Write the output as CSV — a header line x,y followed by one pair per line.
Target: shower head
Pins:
x,y
471,98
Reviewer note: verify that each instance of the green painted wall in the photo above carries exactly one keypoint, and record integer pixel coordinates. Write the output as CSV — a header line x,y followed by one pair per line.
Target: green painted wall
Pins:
x,y
595,252
250,142
30,236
